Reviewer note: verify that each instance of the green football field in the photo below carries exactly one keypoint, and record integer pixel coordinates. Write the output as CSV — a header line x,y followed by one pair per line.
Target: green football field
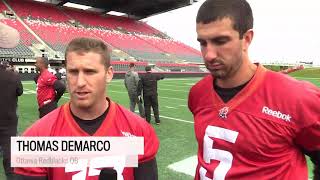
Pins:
x,y
176,134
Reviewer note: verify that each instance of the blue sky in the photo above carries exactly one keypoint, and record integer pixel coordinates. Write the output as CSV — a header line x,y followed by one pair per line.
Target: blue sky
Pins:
x,y
285,30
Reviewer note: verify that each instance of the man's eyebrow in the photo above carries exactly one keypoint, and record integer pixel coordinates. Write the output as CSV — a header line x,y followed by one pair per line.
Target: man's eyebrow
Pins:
x,y
199,39
220,37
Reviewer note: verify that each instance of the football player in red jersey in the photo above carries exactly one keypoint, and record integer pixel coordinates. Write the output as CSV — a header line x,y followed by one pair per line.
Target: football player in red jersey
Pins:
x,y
49,89
91,113
250,123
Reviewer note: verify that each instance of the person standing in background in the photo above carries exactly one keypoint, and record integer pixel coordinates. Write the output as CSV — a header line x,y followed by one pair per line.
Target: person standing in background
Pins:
x,y
149,86
11,88
131,82
49,89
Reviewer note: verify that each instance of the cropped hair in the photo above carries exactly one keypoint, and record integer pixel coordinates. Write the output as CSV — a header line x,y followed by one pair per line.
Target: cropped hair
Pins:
x,y
86,45
239,11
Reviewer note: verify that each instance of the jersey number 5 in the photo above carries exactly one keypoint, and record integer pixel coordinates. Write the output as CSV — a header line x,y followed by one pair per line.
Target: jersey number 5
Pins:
x,y
210,153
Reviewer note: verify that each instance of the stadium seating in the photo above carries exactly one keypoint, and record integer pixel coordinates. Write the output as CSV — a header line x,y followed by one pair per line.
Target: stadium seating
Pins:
x,y
124,41
173,47
149,56
37,10
2,6
110,22
56,28
57,35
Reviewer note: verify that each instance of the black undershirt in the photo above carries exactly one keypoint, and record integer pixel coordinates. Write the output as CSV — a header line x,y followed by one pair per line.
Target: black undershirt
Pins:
x,y
228,93
91,126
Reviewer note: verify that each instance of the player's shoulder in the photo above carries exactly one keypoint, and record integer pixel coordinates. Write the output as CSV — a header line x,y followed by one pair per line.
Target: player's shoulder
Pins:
x,y
130,120
291,87
44,126
203,83
201,87
48,74
128,116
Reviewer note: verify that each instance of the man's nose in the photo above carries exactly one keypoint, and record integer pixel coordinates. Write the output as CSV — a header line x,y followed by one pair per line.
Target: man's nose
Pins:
x,y
209,52
81,81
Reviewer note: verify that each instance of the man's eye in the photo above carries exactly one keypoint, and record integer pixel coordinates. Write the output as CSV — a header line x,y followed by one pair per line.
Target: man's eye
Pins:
x,y
203,43
220,41
72,71
90,72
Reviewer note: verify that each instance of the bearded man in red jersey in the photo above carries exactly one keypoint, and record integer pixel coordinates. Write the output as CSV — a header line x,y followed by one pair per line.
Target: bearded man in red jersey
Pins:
x,y
250,123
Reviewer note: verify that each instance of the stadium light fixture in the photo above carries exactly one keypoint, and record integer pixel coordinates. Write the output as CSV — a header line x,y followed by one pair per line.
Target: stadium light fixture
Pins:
x,y
78,6
115,13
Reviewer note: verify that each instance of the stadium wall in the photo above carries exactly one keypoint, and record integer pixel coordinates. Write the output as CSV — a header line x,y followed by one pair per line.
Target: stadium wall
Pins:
x,y
120,75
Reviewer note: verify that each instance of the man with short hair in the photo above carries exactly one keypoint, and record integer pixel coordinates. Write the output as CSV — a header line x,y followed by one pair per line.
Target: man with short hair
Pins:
x,y
250,123
91,113
11,88
49,89
149,85
131,82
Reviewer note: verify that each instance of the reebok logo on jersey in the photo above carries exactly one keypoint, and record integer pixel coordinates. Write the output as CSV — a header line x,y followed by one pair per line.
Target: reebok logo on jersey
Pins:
x,y
127,134
276,114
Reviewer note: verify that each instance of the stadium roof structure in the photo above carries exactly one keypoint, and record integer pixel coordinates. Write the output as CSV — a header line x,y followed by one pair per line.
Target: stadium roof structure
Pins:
x,y
137,9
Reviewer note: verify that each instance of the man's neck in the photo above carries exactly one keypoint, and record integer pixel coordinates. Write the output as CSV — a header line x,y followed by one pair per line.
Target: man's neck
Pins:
x,y
90,113
42,70
243,75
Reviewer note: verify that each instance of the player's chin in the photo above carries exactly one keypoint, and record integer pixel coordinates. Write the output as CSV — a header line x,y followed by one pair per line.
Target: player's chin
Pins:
x,y
82,105
218,74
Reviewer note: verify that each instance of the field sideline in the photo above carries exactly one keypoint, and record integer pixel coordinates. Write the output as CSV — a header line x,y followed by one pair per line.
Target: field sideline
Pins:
x,y
176,132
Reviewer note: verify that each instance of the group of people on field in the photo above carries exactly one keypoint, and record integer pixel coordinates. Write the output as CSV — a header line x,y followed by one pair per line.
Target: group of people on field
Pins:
x,y
146,83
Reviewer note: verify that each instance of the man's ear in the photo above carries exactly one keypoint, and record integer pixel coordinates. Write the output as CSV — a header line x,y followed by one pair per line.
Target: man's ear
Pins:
x,y
247,39
109,74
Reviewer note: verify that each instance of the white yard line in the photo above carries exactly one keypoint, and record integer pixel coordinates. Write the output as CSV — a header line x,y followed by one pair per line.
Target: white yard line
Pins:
x,y
170,107
172,90
176,119
158,96
183,105
176,85
158,88
172,98
166,79
117,91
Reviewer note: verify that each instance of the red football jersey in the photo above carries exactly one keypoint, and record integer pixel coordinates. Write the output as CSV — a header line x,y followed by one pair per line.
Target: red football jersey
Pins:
x,y
119,122
45,89
257,134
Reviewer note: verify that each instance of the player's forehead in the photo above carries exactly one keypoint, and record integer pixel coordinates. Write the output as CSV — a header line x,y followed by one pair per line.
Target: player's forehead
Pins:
x,y
85,59
217,28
